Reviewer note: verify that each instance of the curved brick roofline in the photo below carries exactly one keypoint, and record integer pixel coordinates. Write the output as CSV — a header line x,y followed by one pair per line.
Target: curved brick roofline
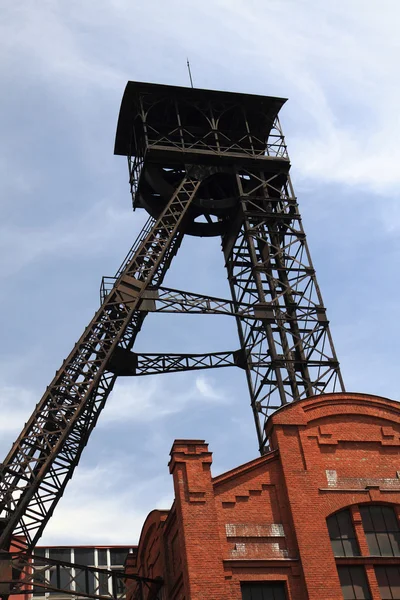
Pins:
x,y
153,520
305,411
266,520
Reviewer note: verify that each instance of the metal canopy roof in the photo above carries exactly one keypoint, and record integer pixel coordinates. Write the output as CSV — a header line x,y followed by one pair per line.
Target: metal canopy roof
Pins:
x,y
269,105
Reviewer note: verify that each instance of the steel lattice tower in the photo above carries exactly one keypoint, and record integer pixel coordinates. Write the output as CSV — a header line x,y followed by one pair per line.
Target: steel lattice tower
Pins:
x,y
233,144
202,163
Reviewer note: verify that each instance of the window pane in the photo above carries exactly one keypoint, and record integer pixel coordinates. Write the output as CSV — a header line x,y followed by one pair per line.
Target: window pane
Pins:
x,y
342,534
345,524
40,567
60,577
118,556
118,586
265,590
53,577
80,581
91,582
393,574
359,582
102,556
378,522
372,544
346,584
353,583
366,518
279,593
103,581
84,582
381,577
390,518
257,593
350,547
39,577
389,582
60,554
395,542
337,547
84,556
382,530
333,527
65,579
384,544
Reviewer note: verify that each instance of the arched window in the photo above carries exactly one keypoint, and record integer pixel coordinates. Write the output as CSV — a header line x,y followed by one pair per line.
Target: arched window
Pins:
x,y
381,529
342,534
382,533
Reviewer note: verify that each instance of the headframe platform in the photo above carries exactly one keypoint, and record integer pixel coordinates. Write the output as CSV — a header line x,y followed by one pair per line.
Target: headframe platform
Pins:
x,y
164,129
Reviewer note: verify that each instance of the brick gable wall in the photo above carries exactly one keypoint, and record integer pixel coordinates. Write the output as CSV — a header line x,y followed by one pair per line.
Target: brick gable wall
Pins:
x,y
266,520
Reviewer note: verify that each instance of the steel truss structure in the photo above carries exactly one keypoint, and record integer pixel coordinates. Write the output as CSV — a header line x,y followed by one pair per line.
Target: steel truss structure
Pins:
x,y
42,460
201,163
24,574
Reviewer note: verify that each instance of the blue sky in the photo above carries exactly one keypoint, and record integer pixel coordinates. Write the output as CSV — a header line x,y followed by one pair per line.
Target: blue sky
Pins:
x,y
66,216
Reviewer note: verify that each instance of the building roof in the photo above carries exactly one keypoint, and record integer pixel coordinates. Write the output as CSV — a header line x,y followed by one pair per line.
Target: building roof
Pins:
x,y
269,105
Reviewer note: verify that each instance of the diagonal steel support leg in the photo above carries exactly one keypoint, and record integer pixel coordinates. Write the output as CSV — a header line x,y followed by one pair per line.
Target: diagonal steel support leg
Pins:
x,y
269,267
43,458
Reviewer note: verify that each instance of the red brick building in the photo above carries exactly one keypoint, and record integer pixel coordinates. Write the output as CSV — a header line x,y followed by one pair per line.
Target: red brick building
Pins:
x,y
315,518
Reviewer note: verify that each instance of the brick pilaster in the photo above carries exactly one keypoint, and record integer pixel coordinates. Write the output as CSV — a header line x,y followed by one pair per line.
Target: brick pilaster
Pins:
x,y
197,517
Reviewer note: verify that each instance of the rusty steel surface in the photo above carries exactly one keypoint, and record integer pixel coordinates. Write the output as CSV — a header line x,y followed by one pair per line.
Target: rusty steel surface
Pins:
x,y
201,163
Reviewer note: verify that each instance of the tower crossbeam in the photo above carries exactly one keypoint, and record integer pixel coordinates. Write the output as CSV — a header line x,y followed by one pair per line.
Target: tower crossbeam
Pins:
x,y
125,363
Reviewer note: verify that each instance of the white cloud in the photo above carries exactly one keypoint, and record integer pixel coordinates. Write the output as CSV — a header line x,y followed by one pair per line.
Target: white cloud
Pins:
x,y
107,504
207,390
88,235
337,63
48,34
145,399
16,404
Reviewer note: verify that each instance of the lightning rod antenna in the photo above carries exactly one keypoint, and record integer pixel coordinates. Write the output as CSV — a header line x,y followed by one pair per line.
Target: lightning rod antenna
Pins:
x,y
190,73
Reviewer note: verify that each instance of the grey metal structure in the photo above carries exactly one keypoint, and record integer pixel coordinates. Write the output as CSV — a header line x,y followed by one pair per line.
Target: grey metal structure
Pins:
x,y
202,163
